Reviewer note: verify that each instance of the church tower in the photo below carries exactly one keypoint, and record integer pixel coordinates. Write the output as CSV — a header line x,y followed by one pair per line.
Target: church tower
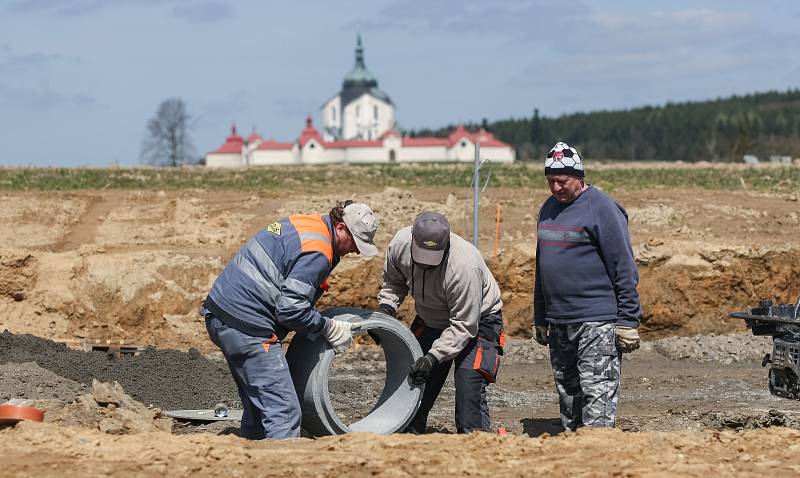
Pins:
x,y
361,110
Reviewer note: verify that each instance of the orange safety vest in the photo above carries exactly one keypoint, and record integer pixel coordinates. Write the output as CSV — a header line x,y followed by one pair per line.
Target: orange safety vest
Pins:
x,y
314,237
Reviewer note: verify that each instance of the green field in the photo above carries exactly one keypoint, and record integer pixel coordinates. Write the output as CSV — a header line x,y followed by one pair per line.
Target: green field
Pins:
x,y
611,177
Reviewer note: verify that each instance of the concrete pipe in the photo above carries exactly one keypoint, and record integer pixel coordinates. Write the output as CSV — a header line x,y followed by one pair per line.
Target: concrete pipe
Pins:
x,y
310,360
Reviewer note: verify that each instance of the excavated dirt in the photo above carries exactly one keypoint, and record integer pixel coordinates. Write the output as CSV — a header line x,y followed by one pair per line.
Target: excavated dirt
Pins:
x,y
135,267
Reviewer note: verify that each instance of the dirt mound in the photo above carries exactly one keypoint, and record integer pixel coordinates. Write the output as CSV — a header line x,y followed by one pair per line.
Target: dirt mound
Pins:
x,y
107,409
586,453
39,220
697,300
749,421
30,381
17,274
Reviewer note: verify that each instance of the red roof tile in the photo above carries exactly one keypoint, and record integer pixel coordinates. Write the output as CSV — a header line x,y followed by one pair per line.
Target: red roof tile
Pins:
x,y
423,141
271,144
309,133
254,137
484,137
233,143
354,143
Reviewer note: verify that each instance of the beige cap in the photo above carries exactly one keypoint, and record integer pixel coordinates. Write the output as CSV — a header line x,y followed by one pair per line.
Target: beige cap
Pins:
x,y
362,224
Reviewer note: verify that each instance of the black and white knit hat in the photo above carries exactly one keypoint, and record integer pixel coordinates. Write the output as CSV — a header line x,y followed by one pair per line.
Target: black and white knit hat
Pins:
x,y
563,159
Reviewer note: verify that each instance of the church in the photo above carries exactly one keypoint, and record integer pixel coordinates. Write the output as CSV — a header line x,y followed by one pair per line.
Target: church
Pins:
x,y
358,126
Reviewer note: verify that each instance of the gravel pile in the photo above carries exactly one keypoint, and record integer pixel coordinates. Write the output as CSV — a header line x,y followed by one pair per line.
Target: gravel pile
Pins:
x,y
30,381
725,349
167,379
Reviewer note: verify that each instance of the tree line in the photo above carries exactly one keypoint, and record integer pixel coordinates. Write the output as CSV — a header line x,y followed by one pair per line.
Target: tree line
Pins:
x,y
725,129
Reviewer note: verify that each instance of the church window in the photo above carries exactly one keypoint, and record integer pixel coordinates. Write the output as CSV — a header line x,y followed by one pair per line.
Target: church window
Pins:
x,y
375,111
333,113
358,111
463,144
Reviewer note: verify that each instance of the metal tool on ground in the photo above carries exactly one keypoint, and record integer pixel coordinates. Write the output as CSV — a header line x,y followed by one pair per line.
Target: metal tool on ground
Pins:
x,y
782,322
220,413
310,360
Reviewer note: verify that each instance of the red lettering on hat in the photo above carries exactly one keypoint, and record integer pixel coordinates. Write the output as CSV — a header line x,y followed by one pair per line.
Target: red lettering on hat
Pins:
x,y
558,156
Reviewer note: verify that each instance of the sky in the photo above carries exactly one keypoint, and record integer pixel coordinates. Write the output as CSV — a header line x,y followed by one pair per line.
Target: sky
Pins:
x,y
79,79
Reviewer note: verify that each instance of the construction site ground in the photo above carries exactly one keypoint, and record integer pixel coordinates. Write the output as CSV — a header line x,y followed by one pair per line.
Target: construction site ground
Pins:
x,y
132,267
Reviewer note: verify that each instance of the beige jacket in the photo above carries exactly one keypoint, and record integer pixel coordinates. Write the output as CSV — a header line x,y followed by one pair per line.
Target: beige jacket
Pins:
x,y
453,296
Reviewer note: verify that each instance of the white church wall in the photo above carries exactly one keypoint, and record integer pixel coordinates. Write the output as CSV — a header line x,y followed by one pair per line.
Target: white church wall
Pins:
x,y
422,153
463,150
360,122
367,155
265,157
335,155
228,160
331,116
313,153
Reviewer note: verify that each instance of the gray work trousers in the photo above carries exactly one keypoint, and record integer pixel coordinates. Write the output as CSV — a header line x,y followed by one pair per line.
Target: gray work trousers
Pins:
x,y
269,402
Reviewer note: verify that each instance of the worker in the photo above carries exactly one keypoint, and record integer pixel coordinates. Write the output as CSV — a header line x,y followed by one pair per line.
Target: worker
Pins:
x,y
458,316
585,306
268,289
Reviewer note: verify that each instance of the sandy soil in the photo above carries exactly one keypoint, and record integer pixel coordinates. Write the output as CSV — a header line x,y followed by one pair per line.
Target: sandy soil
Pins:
x,y
135,266
66,452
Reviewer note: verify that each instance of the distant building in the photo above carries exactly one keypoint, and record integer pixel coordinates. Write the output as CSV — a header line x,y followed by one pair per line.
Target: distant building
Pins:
x,y
361,110
358,127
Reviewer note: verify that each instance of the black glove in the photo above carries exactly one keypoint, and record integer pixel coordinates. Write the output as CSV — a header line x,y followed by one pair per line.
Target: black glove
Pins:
x,y
387,309
421,370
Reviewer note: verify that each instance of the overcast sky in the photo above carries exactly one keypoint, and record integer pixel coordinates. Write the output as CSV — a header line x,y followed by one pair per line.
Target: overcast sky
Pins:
x,y
80,78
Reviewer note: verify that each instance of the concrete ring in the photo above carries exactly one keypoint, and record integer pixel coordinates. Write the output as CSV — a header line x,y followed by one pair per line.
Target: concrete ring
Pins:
x,y
310,359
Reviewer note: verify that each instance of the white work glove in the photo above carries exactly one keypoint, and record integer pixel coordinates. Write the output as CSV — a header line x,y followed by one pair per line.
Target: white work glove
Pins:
x,y
339,333
627,338
540,334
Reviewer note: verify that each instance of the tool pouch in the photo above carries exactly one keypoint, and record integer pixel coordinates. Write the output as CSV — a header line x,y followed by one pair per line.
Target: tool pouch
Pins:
x,y
487,359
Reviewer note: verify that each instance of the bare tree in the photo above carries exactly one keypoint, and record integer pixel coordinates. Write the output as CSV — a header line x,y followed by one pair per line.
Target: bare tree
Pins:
x,y
167,141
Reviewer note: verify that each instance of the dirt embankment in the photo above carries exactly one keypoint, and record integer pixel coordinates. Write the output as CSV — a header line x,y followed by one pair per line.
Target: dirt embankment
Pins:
x,y
136,266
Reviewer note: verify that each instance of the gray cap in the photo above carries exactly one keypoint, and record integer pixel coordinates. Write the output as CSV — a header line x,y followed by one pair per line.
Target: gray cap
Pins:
x,y
429,238
362,224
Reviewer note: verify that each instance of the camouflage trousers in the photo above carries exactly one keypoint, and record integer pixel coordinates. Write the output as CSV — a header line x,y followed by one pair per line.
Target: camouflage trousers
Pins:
x,y
586,367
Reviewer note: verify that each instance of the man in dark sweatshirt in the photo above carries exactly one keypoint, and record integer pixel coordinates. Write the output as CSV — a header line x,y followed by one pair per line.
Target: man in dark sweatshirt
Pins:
x,y
585,304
